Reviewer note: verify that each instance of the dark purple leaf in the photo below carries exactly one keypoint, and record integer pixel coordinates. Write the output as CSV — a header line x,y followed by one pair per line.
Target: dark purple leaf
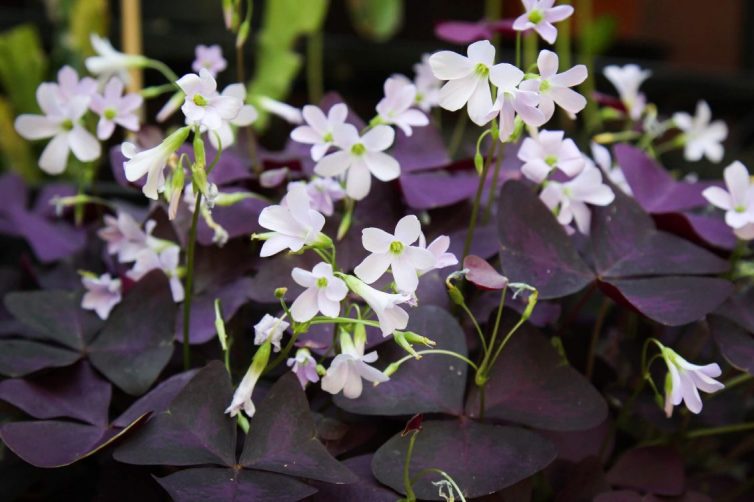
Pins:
x,y
738,309
283,438
735,342
653,469
157,400
584,481
210,484
365,489
137,340
429,190
535,248
55,315
576,446
485,242
482,274
435,383
530,384
76,392
481,458
44,204
13,193
194,430
49,239
424,149
702,229
619,496
21,357
232,166
216,267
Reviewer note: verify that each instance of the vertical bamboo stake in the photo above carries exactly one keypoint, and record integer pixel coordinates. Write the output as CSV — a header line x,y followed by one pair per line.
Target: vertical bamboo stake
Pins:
x,y
130,29
584,20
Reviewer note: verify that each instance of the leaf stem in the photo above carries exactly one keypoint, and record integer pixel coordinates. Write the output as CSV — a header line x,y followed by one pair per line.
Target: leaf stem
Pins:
x,y
478,198
604,308
190,283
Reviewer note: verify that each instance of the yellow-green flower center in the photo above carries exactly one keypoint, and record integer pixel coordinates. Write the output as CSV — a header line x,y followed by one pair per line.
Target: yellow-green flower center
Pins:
x,y
67,124
482,70
544,86
322,282
740,209
396,247
551,160
200,100
536,16
327,138
358,149
110,113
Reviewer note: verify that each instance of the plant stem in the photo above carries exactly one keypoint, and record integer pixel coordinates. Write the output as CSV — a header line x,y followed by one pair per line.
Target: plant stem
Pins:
x,y
476,326
518,49
530,50
584,19
478,198
725,429
189,294
162,68
442,352
604,308
314,77
457,136
485,364
493,185
410,495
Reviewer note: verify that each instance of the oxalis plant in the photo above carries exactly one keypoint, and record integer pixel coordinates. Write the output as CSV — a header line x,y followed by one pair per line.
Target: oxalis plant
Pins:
x,y
539,301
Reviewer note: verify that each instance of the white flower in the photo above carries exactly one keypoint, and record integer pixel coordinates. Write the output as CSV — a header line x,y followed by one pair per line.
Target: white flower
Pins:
x,y
512,100
103,293
303,366
115,108
69,85
323,193
569,200
439,249
547,152
294,223
554,87
242,395
702,137
108,62
738,201
209,57
61,122
627,80
349,367
746,232
166,259
289,113
604,161
124,237
684,379
360,157
319,129
270,329
385,305
203,105
246,115
323,292
395,251
274,177
152,162
427,85
396,107
468,79
539,16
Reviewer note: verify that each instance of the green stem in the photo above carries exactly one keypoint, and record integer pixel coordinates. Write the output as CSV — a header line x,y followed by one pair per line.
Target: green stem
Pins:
x,y
162,68
283,354
531,41
493,185
314,78
442,352
584,19
508,336
725,429
483,367
476,326
478,198
604,308
190,283
457,136
410,495
343,320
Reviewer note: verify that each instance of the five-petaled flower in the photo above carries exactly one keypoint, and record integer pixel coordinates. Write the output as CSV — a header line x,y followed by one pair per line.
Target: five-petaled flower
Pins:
x,y
701,136
152,162
547,152
165,258
349,367
323,193
223,136
210,58
439,249
555,88
103,293
396,108
124,237
109,62
737,201
627,80
319,128
512,100
539,16
323,292
203,105
303,366
390,316
684,380
270,329
114,109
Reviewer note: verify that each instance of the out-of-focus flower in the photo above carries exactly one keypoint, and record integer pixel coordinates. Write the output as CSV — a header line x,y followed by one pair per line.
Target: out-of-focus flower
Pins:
x,y
512,100
69,85
701,136
547,152
114,109
304,367
246,116
554,87
209,57
323,292
359,158
684,380
289,113
385,305
108,62
396,107
270,329
124,237
61,122
274,177
349,367
103,293
323,193
152,162
203,105
294,224
539,16
395,251
427,85
738,200
439,249
242,396
166,259
614,173
319,128
569,200
627,80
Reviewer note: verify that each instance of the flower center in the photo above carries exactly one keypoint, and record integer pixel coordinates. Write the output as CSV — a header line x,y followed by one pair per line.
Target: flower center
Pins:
x,y
544,86
327,138
396,247
551,160
110,113
482,70
358,149
567,192
67,124
740,208
200,100
536,16
322,282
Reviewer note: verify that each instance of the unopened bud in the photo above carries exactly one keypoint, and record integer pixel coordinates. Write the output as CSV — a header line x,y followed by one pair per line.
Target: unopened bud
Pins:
x,y
243,33
412,337
359,335
479,163
400,339
220,326
391,369
455,295
280,293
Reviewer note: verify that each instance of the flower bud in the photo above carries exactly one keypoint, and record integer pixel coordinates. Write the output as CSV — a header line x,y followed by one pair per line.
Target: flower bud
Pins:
x,y
479,163
220,326
321,370
359,335
455,294
280,293
391,368
400,339
412,337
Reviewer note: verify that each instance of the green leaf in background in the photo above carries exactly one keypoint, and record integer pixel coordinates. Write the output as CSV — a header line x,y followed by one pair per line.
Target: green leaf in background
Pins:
x,y
15,152
277,61
23,66
600,35
377,20
85,17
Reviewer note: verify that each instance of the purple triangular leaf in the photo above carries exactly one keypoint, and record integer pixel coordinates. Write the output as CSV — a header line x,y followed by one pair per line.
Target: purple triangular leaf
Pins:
x,y
424,149
49,239
21,357
157,400
13,193
429,190
702,229
366,489
653,469
735,342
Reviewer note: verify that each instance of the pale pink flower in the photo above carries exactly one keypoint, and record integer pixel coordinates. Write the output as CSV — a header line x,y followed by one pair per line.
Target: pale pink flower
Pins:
x,y
274,177
152,162
323,292
323,193
115,109
270,329
103,293
203,105
294,224
427,85
685,380
738,200
167,260
349,367
224,135
554,87
109,62
304,367
569,200
512,100
124,237
69,85
702,136
539,16
439,249
210,58
547,152
320,128
627,80
390,316
396,108
614,173
289,113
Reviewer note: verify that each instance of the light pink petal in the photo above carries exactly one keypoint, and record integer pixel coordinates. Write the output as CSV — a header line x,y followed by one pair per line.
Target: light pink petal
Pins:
x,y
359,180
482,52
54,158
506,76
456,93
569,78
315,118
379,138
353,385
382,166
480,103
337,114
84,146
558,13
408,229
305,134
718,197
404,274
277,243
420,259
303,277
333,164
371,374
328,307
569,100
373,267
737,180
376,240
547,31
305,306
336,289
536,170
447,65
547,62
36,126
105,128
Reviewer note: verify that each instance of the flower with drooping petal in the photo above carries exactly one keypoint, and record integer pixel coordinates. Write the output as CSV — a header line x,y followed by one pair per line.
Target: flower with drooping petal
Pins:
x,y
304,367
246,116
395,251
359,158
209,57
242,396
539,16
614,173
569,199
702,137
152,162
547,152
69,85
271,329
555,88
289,113
738,200
684,380
467,79
108,62
124,237
396,107
103,293
114,109
62,121
167,260
203,105
294,224
323,292
439,249
627,80
385,305
427,85
349,367
319,129
323,193
512,100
